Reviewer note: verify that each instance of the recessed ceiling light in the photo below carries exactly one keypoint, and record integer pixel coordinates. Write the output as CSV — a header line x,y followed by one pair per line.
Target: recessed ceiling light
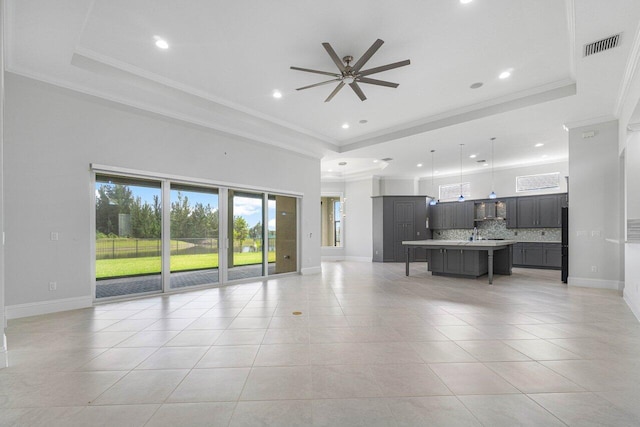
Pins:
x,y
345,126
363,121
473,156
161,43
485,164
277,94
566,129
476,85
376,161
330,170
505,74
419,165
539,144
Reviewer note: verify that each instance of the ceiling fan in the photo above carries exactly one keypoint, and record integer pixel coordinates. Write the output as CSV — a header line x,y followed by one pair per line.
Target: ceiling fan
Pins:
x,y
353,74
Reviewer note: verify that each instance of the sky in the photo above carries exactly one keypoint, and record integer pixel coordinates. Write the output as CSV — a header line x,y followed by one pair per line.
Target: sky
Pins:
x,y
248,208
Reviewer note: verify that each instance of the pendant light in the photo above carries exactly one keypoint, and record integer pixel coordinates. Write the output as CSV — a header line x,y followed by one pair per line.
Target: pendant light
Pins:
x,y
493,193
461,198
433,201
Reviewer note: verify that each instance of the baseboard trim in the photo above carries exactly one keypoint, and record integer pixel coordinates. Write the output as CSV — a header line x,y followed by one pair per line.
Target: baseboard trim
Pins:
x,y
329,258
358,258
583,282
310,271
44,307
633,305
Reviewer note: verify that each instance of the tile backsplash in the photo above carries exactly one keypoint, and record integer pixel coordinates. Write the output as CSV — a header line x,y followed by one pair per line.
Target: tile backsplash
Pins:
x,y
497,229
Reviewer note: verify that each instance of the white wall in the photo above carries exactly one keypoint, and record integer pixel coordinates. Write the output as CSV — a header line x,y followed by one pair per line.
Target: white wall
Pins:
x,y
504,181
398,187
632,249
595,211
3,341
52,135
359,220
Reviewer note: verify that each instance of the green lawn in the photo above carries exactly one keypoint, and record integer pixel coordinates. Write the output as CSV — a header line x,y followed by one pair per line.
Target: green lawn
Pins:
x,y
106,268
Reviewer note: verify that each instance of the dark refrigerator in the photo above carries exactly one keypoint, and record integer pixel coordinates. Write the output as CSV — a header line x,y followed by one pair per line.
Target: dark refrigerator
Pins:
x,y
565,244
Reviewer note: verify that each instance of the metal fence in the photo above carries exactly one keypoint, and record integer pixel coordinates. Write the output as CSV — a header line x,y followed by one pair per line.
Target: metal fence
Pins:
x,y
135,248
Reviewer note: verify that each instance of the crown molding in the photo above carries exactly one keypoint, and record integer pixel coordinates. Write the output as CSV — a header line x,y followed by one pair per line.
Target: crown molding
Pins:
x,y
589,122
313,149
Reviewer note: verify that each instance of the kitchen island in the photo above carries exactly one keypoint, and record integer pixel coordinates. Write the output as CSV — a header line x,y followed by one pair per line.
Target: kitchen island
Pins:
x,y
461,258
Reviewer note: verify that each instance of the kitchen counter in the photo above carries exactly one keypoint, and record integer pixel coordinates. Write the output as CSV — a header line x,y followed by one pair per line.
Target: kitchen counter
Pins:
x,y
464,258
457,243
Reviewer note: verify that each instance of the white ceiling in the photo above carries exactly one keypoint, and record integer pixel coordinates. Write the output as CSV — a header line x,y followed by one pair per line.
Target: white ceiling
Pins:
x,y
226,58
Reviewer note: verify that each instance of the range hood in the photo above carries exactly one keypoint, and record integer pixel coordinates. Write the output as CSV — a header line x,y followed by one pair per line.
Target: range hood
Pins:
x,y
490,212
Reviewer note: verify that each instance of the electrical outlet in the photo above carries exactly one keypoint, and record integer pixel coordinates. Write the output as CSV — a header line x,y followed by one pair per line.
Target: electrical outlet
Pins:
x,y
594,268
53,286
54,235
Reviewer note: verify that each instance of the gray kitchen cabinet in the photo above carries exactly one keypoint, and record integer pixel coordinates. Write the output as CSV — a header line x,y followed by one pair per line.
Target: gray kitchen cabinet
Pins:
x,y
436,217
539,211
518,254
398,218
526,212
451,215
552,255
458,262
511,212
537,255
463,214
436,260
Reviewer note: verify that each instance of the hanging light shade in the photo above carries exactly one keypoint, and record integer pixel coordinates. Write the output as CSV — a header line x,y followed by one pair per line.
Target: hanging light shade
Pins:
x,y
493,193
433,201
461,198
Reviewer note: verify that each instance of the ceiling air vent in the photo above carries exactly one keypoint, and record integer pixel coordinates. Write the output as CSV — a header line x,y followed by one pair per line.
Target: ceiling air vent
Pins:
x,y
387,159
600,45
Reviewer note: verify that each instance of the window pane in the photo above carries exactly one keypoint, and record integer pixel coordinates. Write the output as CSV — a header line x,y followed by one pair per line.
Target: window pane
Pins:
x,y
245,235
330,223
128,236
194,236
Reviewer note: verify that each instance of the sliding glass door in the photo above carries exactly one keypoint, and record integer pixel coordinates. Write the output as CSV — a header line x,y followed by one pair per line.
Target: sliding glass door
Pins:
x,y
246,250
128,236
155,235
194,236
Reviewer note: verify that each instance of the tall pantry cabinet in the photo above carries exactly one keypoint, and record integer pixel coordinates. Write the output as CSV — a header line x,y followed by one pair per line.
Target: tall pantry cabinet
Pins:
x,y
398,218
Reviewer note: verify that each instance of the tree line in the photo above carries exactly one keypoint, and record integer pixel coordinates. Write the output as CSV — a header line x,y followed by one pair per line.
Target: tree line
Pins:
x,y
145,219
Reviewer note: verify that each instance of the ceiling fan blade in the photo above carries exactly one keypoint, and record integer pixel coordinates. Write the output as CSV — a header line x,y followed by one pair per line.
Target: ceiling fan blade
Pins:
x,y
377,82
332,53
384,68
326,73
358,91
336,90
367,55
318,84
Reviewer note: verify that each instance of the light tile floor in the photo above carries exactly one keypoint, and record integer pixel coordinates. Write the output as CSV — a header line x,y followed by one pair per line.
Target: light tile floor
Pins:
x,y
372,347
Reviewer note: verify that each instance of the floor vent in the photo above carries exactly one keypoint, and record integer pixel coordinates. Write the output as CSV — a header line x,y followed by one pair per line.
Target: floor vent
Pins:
x,y
600,45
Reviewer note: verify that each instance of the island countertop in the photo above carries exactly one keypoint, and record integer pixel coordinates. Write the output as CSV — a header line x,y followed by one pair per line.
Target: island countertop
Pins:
x,y
468,243
477,246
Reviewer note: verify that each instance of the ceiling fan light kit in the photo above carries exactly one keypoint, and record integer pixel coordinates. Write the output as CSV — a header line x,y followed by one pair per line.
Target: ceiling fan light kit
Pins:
x,y
351,75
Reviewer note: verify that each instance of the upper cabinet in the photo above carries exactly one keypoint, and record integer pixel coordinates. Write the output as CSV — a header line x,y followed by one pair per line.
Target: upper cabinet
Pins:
x,y
451,215
518,212
540,211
